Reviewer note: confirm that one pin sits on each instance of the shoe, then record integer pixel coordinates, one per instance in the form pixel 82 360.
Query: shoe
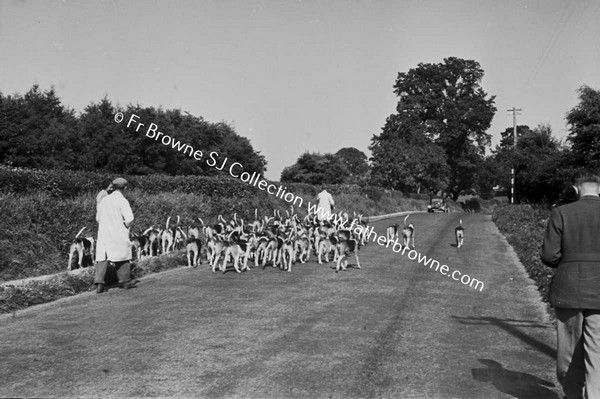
pixel 129 284
pixel 100 288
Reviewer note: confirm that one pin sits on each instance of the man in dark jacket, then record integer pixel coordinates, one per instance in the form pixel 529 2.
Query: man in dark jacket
pixel 572 246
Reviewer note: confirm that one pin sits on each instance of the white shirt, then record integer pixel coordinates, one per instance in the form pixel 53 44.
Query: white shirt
pixel 113 236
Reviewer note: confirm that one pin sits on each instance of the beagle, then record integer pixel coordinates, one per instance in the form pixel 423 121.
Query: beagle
pixel 408 234
pixel 83 246
pixel 459 233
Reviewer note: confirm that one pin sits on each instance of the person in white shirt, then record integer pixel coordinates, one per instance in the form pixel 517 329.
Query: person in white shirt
pixel 325 205
pixel 114 216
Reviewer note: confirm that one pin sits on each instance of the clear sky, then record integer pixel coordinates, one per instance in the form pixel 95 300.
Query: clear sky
pixel 296 76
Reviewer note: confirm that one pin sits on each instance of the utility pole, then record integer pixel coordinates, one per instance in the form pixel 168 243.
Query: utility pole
pixel 512 170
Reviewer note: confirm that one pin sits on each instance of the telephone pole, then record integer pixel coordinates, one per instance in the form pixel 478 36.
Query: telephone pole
pixel 512 170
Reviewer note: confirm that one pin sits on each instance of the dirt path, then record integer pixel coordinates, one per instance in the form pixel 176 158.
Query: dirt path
pixel 393 329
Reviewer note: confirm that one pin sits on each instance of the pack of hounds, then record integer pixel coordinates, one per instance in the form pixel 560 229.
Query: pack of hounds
pixel 276 241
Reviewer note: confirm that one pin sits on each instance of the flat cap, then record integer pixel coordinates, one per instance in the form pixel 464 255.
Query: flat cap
pixel 119 182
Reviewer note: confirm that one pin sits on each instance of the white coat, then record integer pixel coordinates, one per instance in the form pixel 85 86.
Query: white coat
pixel 113 236
pixel 325 205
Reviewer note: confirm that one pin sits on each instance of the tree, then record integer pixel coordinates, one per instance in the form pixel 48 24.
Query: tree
pixel 36 130
pixel 356 162
pixel 507 140
pixel 405 166
pixel 314 168
pixel 541 165
pixel 584 121
pixel 441 104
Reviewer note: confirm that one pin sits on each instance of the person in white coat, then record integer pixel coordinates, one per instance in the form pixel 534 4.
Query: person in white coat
pixel 325 205
pixel 114 217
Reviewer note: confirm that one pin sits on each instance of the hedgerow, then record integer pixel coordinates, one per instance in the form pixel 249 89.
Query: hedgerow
pixel 43 210
pixel 524 226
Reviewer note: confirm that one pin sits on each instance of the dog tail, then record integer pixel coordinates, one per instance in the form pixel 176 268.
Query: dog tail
pixel 405 219
pixel 201 221
pixel 168 221
pixel 80 231
pixel 255 213
pixel 460 222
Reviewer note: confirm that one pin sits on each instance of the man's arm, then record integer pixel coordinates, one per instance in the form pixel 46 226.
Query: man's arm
pixel 551 248
pixel 127 214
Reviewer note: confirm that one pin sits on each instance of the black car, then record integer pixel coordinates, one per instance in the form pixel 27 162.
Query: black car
pixel 437 204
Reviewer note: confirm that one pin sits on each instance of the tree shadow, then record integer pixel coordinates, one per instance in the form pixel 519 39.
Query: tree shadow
pixel 514 327
pixel 517 384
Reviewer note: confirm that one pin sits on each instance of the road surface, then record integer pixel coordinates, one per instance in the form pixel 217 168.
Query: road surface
pixel 392 329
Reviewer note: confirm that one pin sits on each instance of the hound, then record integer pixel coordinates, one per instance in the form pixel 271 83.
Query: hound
pixel 272 251
pixel 167 238
pixel 215 248
pixel 193 245
pixel 141 245
pixel 392 232
pixel 286 252
pixel 153 237
pixel 302 248
pixel 236 248
pixel 83 246
pixel 347 246
pixel 259 246
pixel 326 245
pixel 179 236
pixel 408 234
pixel 459 233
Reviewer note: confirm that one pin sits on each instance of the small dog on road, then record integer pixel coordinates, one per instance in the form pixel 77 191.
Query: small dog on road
pixel 408 234
pixel 392 232
pixel 459 232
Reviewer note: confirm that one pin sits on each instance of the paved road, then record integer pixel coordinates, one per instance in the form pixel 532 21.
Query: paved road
pixel 393 329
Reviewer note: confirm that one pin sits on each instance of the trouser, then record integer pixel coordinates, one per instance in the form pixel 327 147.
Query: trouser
pixel 578 355
pixel 123 271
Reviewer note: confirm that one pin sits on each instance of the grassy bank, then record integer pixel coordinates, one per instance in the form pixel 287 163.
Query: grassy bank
pixel 17 297
pixel 43 211
pixel 523 226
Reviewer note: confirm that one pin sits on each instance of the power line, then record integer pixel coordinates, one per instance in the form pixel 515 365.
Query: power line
pixel 566 16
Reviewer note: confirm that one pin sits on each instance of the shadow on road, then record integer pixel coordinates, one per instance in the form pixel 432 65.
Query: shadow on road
pixel 514 328
pixel 517 384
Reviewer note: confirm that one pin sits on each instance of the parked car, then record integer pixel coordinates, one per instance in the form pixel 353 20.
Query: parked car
pixel 437 204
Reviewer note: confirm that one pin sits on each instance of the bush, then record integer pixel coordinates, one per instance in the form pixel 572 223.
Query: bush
pixel 524 226
pixel 473 205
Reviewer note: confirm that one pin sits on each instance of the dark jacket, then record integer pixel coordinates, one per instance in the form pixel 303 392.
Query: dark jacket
pixel 572 246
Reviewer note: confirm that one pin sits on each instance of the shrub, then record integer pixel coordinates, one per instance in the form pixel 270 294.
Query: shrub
pixel 524 226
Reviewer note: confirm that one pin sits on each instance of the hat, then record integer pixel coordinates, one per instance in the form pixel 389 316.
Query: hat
pixel 119 182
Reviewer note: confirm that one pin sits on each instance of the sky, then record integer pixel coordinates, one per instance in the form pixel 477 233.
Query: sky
pixel 295 76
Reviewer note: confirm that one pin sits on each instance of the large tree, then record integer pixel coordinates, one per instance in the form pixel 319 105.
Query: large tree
pixel 584 126
pixel 444 105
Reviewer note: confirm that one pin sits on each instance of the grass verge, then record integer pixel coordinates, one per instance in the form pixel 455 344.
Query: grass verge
pixel 17 297
pixel 524 226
